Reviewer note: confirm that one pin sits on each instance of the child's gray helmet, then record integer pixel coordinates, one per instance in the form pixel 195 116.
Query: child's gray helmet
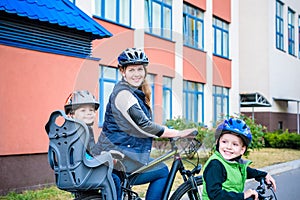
pixel 78 98
pixel 133 56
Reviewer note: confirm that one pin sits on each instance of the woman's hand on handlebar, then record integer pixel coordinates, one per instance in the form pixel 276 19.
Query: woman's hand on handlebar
pixel 172 133
pixel 192 132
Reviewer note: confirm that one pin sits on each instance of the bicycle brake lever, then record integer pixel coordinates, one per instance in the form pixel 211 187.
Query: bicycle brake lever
pixel 197 170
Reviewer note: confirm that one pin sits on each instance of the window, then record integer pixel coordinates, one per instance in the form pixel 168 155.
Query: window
pixel 118 11
pixel 280 125
pixel 109 76
pixel 279 25
pixel 221 38
pixel 158 17
pixel 150 79
pixel 299 37
pixel 193 109
pixel 220 102
pixel 291 32
pixel 193 27
pixel 167 98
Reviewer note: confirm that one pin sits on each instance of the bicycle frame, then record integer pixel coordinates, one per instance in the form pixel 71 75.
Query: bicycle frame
pixel 177 165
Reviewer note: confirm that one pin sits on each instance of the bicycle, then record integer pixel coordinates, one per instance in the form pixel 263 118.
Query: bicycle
pixel 189 187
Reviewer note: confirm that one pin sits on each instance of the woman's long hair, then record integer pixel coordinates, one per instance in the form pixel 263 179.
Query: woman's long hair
pixel 146 89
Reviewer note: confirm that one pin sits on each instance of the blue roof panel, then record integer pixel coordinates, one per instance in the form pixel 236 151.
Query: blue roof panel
pixel 60 12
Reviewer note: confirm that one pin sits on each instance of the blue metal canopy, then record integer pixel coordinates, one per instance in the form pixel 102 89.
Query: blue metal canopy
pixel 60 12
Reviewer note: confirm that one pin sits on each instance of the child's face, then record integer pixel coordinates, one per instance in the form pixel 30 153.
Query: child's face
pixel 85 113
pixel 231 146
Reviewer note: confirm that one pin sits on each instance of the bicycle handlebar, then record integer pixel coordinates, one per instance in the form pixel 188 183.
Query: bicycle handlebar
pixel 192 135
pixel 261 190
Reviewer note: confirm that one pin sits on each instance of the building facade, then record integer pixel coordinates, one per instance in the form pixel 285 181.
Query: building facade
pixel 201 60
pixel 269 60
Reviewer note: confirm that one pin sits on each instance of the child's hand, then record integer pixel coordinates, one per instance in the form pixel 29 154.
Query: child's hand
pixel 251 193
pixel 269 179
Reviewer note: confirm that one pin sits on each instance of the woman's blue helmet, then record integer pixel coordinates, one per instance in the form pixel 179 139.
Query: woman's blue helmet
pixel 234 126
pixel 132 56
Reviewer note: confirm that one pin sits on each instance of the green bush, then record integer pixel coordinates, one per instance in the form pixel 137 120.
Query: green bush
pixel 282 140
pixel 180 124
pixel 258 132
pixel 206 136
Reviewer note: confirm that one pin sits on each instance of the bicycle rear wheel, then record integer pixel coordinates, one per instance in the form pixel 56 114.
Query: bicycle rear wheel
pixel 185 192
pixel 88 195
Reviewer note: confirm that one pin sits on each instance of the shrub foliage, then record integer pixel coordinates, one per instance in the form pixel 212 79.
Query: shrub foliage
pixel 282 140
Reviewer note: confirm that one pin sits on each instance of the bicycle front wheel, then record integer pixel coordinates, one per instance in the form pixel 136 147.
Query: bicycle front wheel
pixel 185 192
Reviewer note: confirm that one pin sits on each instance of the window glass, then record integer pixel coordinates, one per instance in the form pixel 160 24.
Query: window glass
pixel 108 77
pixel 147 16
pixel 193 27
pixel 156 25
pixel 158 17
pixel 291 32
pixel 221 38
pixel 124 14
pixel 167 23
pixel 118 11
pixel 193 101
pixel 299 37
pixel 167 98
pixel 110 10
pixel 98 7
pixel 220 103
pixel 279 26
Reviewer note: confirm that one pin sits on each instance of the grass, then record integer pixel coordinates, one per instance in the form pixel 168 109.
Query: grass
pixel 261 158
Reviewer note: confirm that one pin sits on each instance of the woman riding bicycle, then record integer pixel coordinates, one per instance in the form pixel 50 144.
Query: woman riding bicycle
pixel 128 125
pixel 225 172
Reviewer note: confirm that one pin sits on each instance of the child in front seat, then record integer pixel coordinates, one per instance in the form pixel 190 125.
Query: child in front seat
pixel 82 105
pixel 225 172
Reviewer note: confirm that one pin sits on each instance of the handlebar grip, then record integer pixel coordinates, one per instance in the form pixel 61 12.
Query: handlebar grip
pixel 194 133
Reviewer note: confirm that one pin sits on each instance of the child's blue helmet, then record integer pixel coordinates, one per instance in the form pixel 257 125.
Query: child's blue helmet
pixel 234 126
pixel 132 56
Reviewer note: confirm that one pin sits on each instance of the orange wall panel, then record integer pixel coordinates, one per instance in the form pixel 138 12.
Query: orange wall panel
pixel 222 9
pixel 194 65
pixel 161 54
pixel 221 72
pixel 198 3
pixel 33 84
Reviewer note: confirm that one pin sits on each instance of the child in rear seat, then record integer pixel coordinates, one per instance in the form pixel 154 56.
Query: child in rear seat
pixel 82 105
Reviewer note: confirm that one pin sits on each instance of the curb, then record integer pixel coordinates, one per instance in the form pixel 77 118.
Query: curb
pixel 282 167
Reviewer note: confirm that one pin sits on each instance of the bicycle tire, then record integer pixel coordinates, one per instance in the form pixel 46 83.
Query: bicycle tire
pixel 92 197
pixel 184 188
pixel 89 195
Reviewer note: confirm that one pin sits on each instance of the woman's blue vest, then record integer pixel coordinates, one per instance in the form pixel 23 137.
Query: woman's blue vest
pixel 120 135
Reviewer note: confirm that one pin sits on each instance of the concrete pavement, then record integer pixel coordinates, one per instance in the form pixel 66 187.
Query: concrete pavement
pixel 282 167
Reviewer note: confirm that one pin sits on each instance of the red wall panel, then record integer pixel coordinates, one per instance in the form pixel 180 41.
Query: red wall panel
pixel 33 84
pixel 221 72
pixel 222 9
pixel 194 65
pixel 198 3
